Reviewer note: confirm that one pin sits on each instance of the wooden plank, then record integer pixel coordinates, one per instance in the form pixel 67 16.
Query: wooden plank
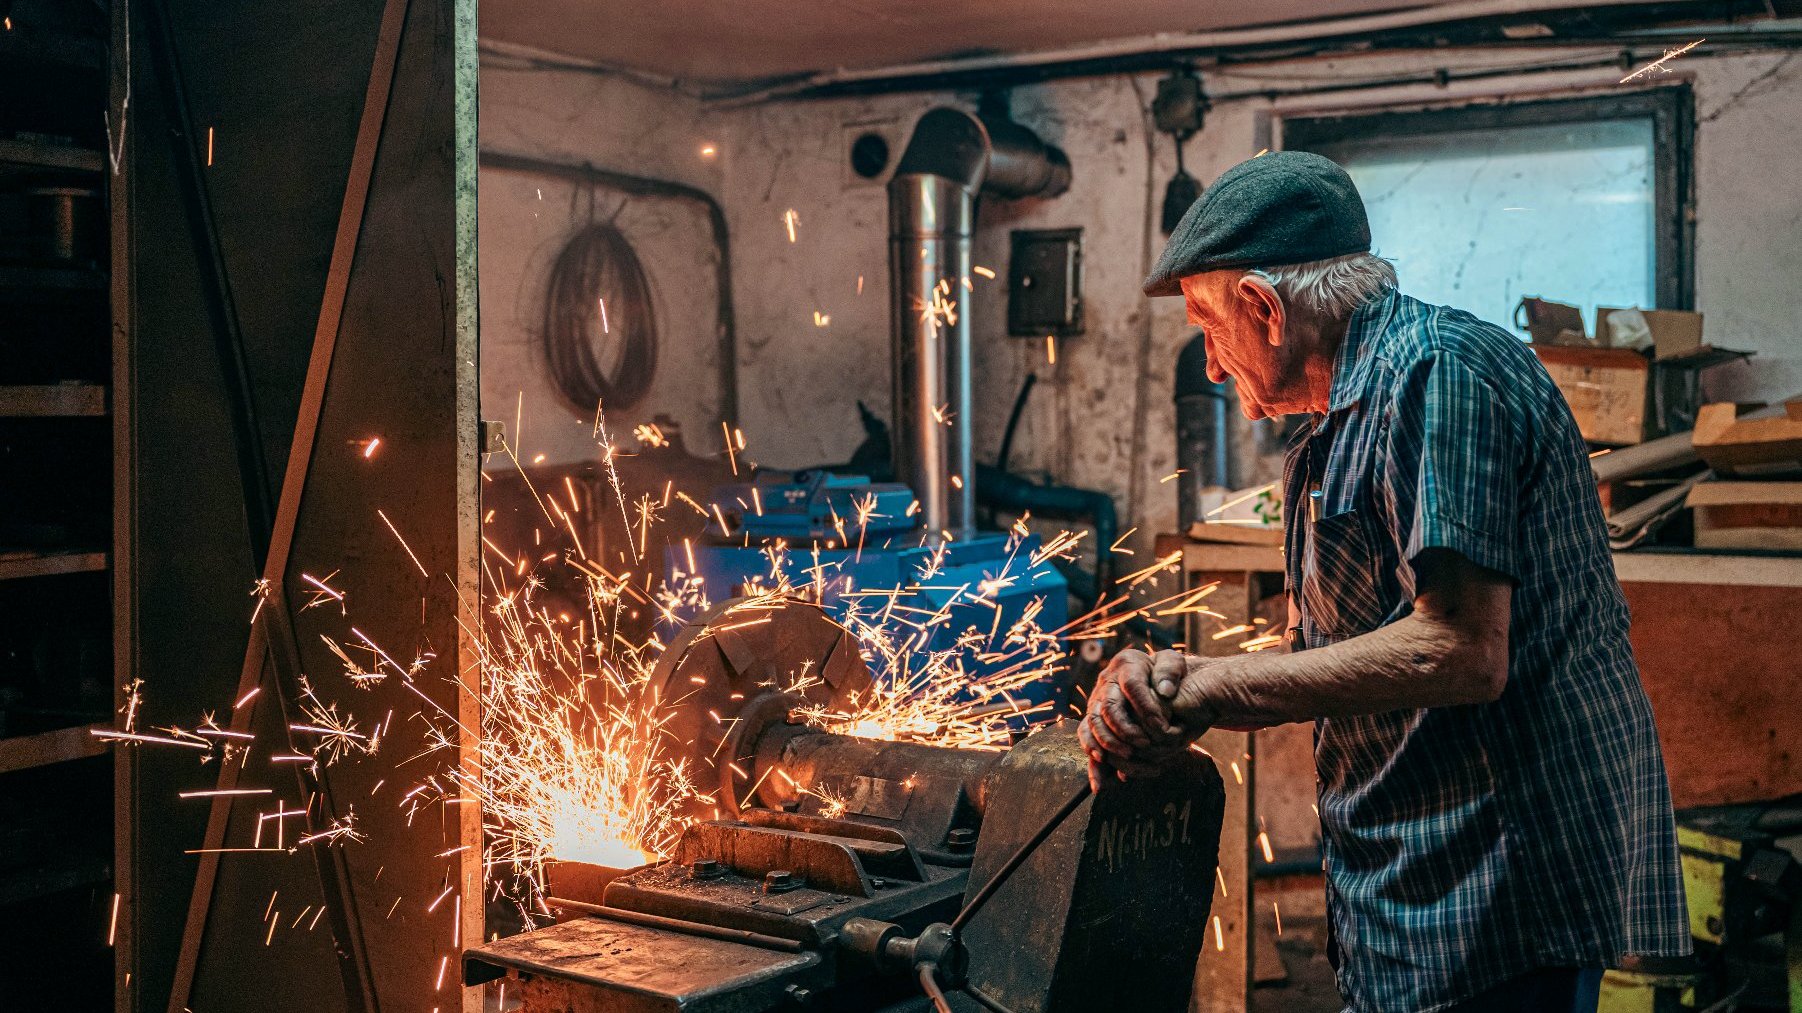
pixel 1719 667
pixel 55 876
pixel 40 155
pixel 1224 974
pixel 61 400
pixel 123 243
pixel 19 566
pixel 1708 568
pixel 278 645
pixel 1213 556
pixel 28 278
pixel 25 752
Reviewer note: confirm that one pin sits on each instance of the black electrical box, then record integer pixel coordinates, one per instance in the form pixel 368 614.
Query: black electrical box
pixel 1044 283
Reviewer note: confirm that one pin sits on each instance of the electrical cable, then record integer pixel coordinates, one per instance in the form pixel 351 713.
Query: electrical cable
pixel 599 334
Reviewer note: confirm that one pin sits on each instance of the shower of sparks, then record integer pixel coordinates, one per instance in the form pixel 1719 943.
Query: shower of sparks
pixel 985 272
pixel 343 828
pixel 1051 349
pixel 369 447
pixel 565 764
pixel 1658 66
pixel 790 219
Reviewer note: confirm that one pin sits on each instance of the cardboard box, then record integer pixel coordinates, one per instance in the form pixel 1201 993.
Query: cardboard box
pixel 1606 389
pixel 1747 515
pixel 1676 334
pixel 1732 445
pixel 1551 323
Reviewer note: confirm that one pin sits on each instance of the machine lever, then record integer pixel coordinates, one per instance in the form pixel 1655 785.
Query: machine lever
pixel 1015 860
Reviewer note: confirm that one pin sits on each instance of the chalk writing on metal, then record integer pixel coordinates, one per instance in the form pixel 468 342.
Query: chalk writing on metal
pixel 1126 839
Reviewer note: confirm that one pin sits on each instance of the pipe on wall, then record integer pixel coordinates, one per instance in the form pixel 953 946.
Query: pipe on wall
pixel 1203 435
pixel 951 158
pixel 1157 51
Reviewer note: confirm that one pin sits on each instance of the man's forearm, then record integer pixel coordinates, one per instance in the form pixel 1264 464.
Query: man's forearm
pixel 1412 663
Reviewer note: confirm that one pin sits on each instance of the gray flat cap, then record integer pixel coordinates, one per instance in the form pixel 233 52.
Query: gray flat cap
pixel 1282 207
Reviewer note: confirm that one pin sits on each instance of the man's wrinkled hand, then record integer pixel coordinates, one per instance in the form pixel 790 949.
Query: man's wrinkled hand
pixel 1128 728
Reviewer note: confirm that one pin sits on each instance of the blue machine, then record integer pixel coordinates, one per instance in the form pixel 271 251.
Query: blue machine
pixel 853 537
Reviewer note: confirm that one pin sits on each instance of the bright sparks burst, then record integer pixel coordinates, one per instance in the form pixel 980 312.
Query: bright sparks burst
pixel 569 751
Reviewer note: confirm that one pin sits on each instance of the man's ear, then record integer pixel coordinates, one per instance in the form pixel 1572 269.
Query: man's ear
pixel 1263 303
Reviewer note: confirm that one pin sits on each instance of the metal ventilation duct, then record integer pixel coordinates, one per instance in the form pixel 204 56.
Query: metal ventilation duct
pixel 951 157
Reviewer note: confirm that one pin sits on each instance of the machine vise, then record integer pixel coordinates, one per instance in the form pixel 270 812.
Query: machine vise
pixel 849 874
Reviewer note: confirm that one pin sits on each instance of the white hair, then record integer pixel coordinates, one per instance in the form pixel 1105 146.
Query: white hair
pixel 1331 288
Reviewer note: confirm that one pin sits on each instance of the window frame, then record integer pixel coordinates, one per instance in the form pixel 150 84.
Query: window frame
pixel 1671 108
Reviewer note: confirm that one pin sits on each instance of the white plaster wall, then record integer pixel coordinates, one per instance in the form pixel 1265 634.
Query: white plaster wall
pixel 1749 220
pixel 525 219
pixel 798 383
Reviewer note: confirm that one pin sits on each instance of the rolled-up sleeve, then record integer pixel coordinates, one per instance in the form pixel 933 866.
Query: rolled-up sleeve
pixel 1451 451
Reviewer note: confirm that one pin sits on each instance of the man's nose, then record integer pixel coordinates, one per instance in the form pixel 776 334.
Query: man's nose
pixel 1215 373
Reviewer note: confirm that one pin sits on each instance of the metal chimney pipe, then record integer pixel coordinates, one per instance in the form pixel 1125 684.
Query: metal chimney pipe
pixel 932 221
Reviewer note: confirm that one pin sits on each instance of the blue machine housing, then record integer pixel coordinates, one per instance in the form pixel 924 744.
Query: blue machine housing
pixel 892 556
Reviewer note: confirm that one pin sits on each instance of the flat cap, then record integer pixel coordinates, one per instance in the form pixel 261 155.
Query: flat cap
pixel 1282 207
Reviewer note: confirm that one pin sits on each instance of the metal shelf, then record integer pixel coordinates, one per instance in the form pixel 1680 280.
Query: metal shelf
pixel 62 400
pixel 25 752
pixel 21 565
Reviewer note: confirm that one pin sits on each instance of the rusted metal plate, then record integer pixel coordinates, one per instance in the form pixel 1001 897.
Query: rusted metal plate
pixel 615 967
pixel 1111 910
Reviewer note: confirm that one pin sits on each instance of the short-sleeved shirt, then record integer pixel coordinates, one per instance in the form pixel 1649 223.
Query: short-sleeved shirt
pixel 1466 845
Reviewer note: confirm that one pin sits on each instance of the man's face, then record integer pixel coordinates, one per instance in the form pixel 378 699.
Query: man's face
pixel 1242 320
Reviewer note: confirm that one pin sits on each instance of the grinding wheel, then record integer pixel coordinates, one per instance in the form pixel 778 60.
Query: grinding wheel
pixel 746 660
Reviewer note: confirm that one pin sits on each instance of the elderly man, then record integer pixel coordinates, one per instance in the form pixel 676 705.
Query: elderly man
pixel 1493 806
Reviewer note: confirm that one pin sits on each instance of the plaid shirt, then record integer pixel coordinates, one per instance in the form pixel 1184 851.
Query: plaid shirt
pixel 1467 845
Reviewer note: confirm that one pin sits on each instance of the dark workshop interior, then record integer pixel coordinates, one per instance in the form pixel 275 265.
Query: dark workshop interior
pixel 612 506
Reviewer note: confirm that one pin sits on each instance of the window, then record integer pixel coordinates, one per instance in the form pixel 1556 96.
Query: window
pixel 1579 201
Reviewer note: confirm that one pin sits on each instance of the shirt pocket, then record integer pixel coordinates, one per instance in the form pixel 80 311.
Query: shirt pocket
pixel 1341 593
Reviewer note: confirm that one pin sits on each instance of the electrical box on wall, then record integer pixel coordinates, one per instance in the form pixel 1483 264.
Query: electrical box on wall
pixel 1044 283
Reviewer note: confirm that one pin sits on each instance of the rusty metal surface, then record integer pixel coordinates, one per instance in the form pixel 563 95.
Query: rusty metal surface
pixel 1123 884
pixel 617 967
pixel 829 877
pixel 730 659
pixel 926 793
